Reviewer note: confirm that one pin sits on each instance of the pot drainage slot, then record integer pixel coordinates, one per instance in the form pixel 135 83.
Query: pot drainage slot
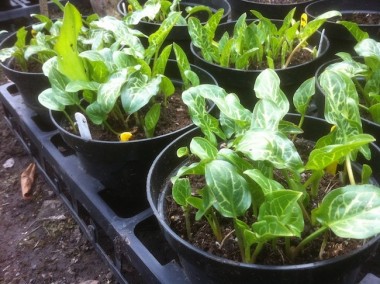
pixel 12 89
pixel 61 146
pixel 124 205
pixel 42 124
pixel 149 233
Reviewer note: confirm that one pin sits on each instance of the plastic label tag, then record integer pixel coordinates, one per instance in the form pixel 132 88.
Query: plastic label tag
pixel 84 131
pixel 303 20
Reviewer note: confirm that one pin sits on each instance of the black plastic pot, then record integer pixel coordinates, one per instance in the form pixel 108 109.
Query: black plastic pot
pixel 241 82
pixel 29 84
pixel 369 126
pixel 269 10
pixel 122 167
pixel 203 267
pixel 179 34
pixel 340 38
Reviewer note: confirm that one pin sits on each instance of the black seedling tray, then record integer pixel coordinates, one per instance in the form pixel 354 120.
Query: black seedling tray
pixel 128 240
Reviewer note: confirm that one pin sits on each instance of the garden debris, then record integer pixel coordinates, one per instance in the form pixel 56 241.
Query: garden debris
pixel 27 180
pixel 9 163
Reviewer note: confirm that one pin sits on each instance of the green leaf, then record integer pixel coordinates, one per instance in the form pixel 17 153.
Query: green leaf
pixel 38 50
pixel 281 209
pixel 109 92
pixel 303 95
pixel 368 48
pixel 157 38
pixel 202 148
pixel 148 11
pixel 193 169
pixel 182 152
pixel 75 86
pixel 137 92
pixel 183 63
pixel 272 146
pixel 181 191
pixel 351 212
pixel 96 113
pixel 267 86
pixel 202 37
pixel 233 158
pixel 160 64
pixel 375 112
pixel 48 98
pixel 266 184
pixel 230 189
pixel 322 157
pixel 342 99
pixel 355 30
pixel 197 108
pixel 266 115
pixel 366 174
pixel 69 62
pixel 151 118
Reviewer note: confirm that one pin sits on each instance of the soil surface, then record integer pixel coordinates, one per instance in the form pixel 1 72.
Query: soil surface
pixel 362 18
pixel 40 241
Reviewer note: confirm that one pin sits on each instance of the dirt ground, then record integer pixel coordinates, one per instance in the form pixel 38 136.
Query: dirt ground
pixel 40 242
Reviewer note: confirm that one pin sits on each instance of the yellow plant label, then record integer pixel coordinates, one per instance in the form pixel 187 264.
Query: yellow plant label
pixel 125 136
pixel 303 20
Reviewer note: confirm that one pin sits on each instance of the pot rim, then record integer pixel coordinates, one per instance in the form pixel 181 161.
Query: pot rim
pixel 325 4
pixel 300 2
pixel 305 266
pixel 9 41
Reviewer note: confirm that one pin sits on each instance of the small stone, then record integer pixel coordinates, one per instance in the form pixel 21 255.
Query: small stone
pixel 89 282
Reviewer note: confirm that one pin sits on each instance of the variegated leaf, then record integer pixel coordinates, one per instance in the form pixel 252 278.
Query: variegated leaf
pixel 230 189
pixel 351 212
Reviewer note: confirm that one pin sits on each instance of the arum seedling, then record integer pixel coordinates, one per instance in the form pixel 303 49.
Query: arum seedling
pixel 253 171
pixel 257 43
pixel 115 78
pixel 158 10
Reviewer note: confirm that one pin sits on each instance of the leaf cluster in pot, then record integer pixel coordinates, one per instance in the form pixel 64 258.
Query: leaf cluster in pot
pixel 34 45
pixel 157 11
pixel 255 177
pixel 359 75
pixel 259 42
pixel 116 77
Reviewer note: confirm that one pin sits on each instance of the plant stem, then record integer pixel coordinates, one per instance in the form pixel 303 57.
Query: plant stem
pixel 323 246
pixel 214 223
pixel 293 52
pixel 302 119
pixel 307 240
pixel 304 211
pixel 256 252
pixel 349 171
pixel 186 211
pixel 240 238
pixel 364 107
pixel 70 121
